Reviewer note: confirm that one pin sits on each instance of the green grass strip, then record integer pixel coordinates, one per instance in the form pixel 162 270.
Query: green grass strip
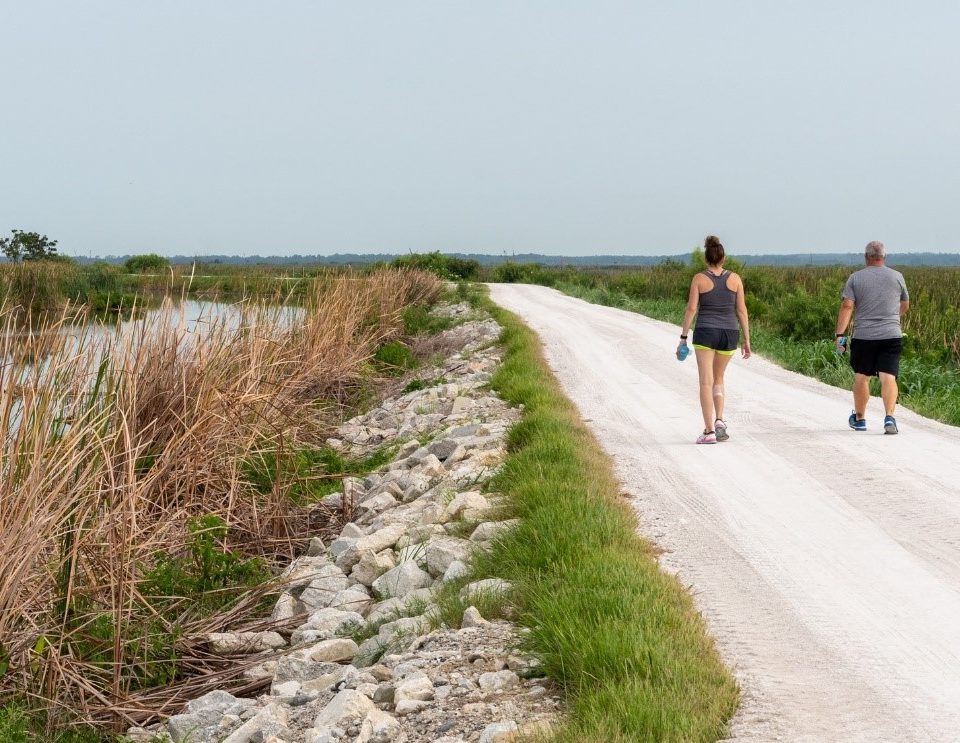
pixel 622 638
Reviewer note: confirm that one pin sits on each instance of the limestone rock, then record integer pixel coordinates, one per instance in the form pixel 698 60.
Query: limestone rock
pixel 401 580
pixel 327 583
pixel 372 565
pixel 238 643
pixel 379 727
pixel 333 650
pixel 498 732
pixel 471 501
pixel 348 703
pixel 487 586
pixel 491 530
pixel 473 618
pixel 441 552
pixel 498 680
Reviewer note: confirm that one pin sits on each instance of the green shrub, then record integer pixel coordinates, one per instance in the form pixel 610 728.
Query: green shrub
pixel 803 317
pixel 418 320
pixel 208 572
pixel 445 266
pixel 149 263
pixel 394 358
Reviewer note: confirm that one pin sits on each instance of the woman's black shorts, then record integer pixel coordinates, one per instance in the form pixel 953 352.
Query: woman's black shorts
pixel 716 339
pixel 873 356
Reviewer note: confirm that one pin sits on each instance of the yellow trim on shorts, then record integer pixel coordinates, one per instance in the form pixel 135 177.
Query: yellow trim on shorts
pixel 707 348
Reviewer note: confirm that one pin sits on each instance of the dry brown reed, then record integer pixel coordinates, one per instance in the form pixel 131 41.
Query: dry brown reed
pixel 110 439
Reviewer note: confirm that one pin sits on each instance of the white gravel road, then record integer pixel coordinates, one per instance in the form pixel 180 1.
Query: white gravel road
pixel 826 561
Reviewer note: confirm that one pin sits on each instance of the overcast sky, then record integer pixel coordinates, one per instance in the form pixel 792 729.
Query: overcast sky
pixel 552 126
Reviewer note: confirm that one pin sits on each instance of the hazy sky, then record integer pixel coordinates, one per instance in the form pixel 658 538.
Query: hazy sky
pixel 549 126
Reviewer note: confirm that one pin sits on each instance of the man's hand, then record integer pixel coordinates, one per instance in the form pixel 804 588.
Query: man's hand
pixel 841 344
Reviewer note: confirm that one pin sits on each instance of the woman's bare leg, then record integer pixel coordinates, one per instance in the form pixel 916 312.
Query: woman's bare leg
pixel 720 363
pixel 705 369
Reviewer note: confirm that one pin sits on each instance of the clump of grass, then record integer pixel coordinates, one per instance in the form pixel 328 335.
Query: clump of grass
pixel 419 320
pixel 421 384
pixel 394 358
pixel 19 723
pixel 620 636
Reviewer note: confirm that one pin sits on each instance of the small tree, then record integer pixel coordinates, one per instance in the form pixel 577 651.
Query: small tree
pixel 28 246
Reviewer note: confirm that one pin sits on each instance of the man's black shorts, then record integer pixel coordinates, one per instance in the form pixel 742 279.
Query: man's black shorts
pixel 873 356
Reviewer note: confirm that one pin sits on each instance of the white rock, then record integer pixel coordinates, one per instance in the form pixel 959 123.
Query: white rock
pixel 375 542
pixel 372 565
pixel 316 548
pixel 332 621
pixel 337 649
pixel 442 551
pixel 340 545
pixel 352 600
pixel 348 703
pixel 471 500
pixel 487 586
pixel 404 626
pixel 498 732
pixel 286 607
pixel 473 618
pixel 376 504
pixel 236 643
pixel 409 706
pixel 285 689
pixel 455 570
pixel 269 721
pixel 416 685
pixel 406 577
pixel 461 405
pixel 297 666
pixel 498 680
pixel 328 582
pixel 333 501
pixel 351 531
pixel 379 727
pixel 430 466
pixel 304 569
pixel 491 529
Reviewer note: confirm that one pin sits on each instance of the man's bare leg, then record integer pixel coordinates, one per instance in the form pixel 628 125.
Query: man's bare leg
pixel 861 394
pixel 889 391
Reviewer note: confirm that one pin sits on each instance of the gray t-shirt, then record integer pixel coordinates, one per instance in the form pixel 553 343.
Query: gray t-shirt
pixel 876 292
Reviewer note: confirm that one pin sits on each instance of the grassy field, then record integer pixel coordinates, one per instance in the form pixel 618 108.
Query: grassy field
pixel 792 318
pixel 150 476
pixel 622 638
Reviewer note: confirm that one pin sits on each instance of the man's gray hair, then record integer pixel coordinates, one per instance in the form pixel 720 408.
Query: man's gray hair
pixel 875 250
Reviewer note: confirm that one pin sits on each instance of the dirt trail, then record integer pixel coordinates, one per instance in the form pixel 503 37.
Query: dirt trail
pixel 826 561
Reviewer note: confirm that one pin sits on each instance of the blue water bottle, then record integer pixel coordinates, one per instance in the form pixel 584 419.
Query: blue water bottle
pixel 683 350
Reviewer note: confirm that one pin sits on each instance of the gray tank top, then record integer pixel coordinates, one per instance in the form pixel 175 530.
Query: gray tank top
pixel 718 307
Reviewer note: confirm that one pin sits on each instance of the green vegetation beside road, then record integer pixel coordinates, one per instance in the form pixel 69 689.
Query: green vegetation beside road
pixel 622 638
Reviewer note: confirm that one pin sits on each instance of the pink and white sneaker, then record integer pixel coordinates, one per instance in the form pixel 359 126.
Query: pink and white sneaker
pixel 707 437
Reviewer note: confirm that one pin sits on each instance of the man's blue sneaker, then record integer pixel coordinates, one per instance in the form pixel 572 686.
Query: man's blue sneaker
pixel 857 424
pixel 890 425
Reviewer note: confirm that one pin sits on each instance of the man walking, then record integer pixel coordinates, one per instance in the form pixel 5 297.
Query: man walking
pixel 878 295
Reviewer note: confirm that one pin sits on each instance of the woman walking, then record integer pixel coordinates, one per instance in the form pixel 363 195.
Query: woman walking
pixel 716 298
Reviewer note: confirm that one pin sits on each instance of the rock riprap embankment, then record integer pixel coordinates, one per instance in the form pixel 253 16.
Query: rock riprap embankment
pixel 389 643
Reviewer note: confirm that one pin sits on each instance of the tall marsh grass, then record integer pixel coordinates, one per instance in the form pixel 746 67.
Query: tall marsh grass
pixel 118 445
